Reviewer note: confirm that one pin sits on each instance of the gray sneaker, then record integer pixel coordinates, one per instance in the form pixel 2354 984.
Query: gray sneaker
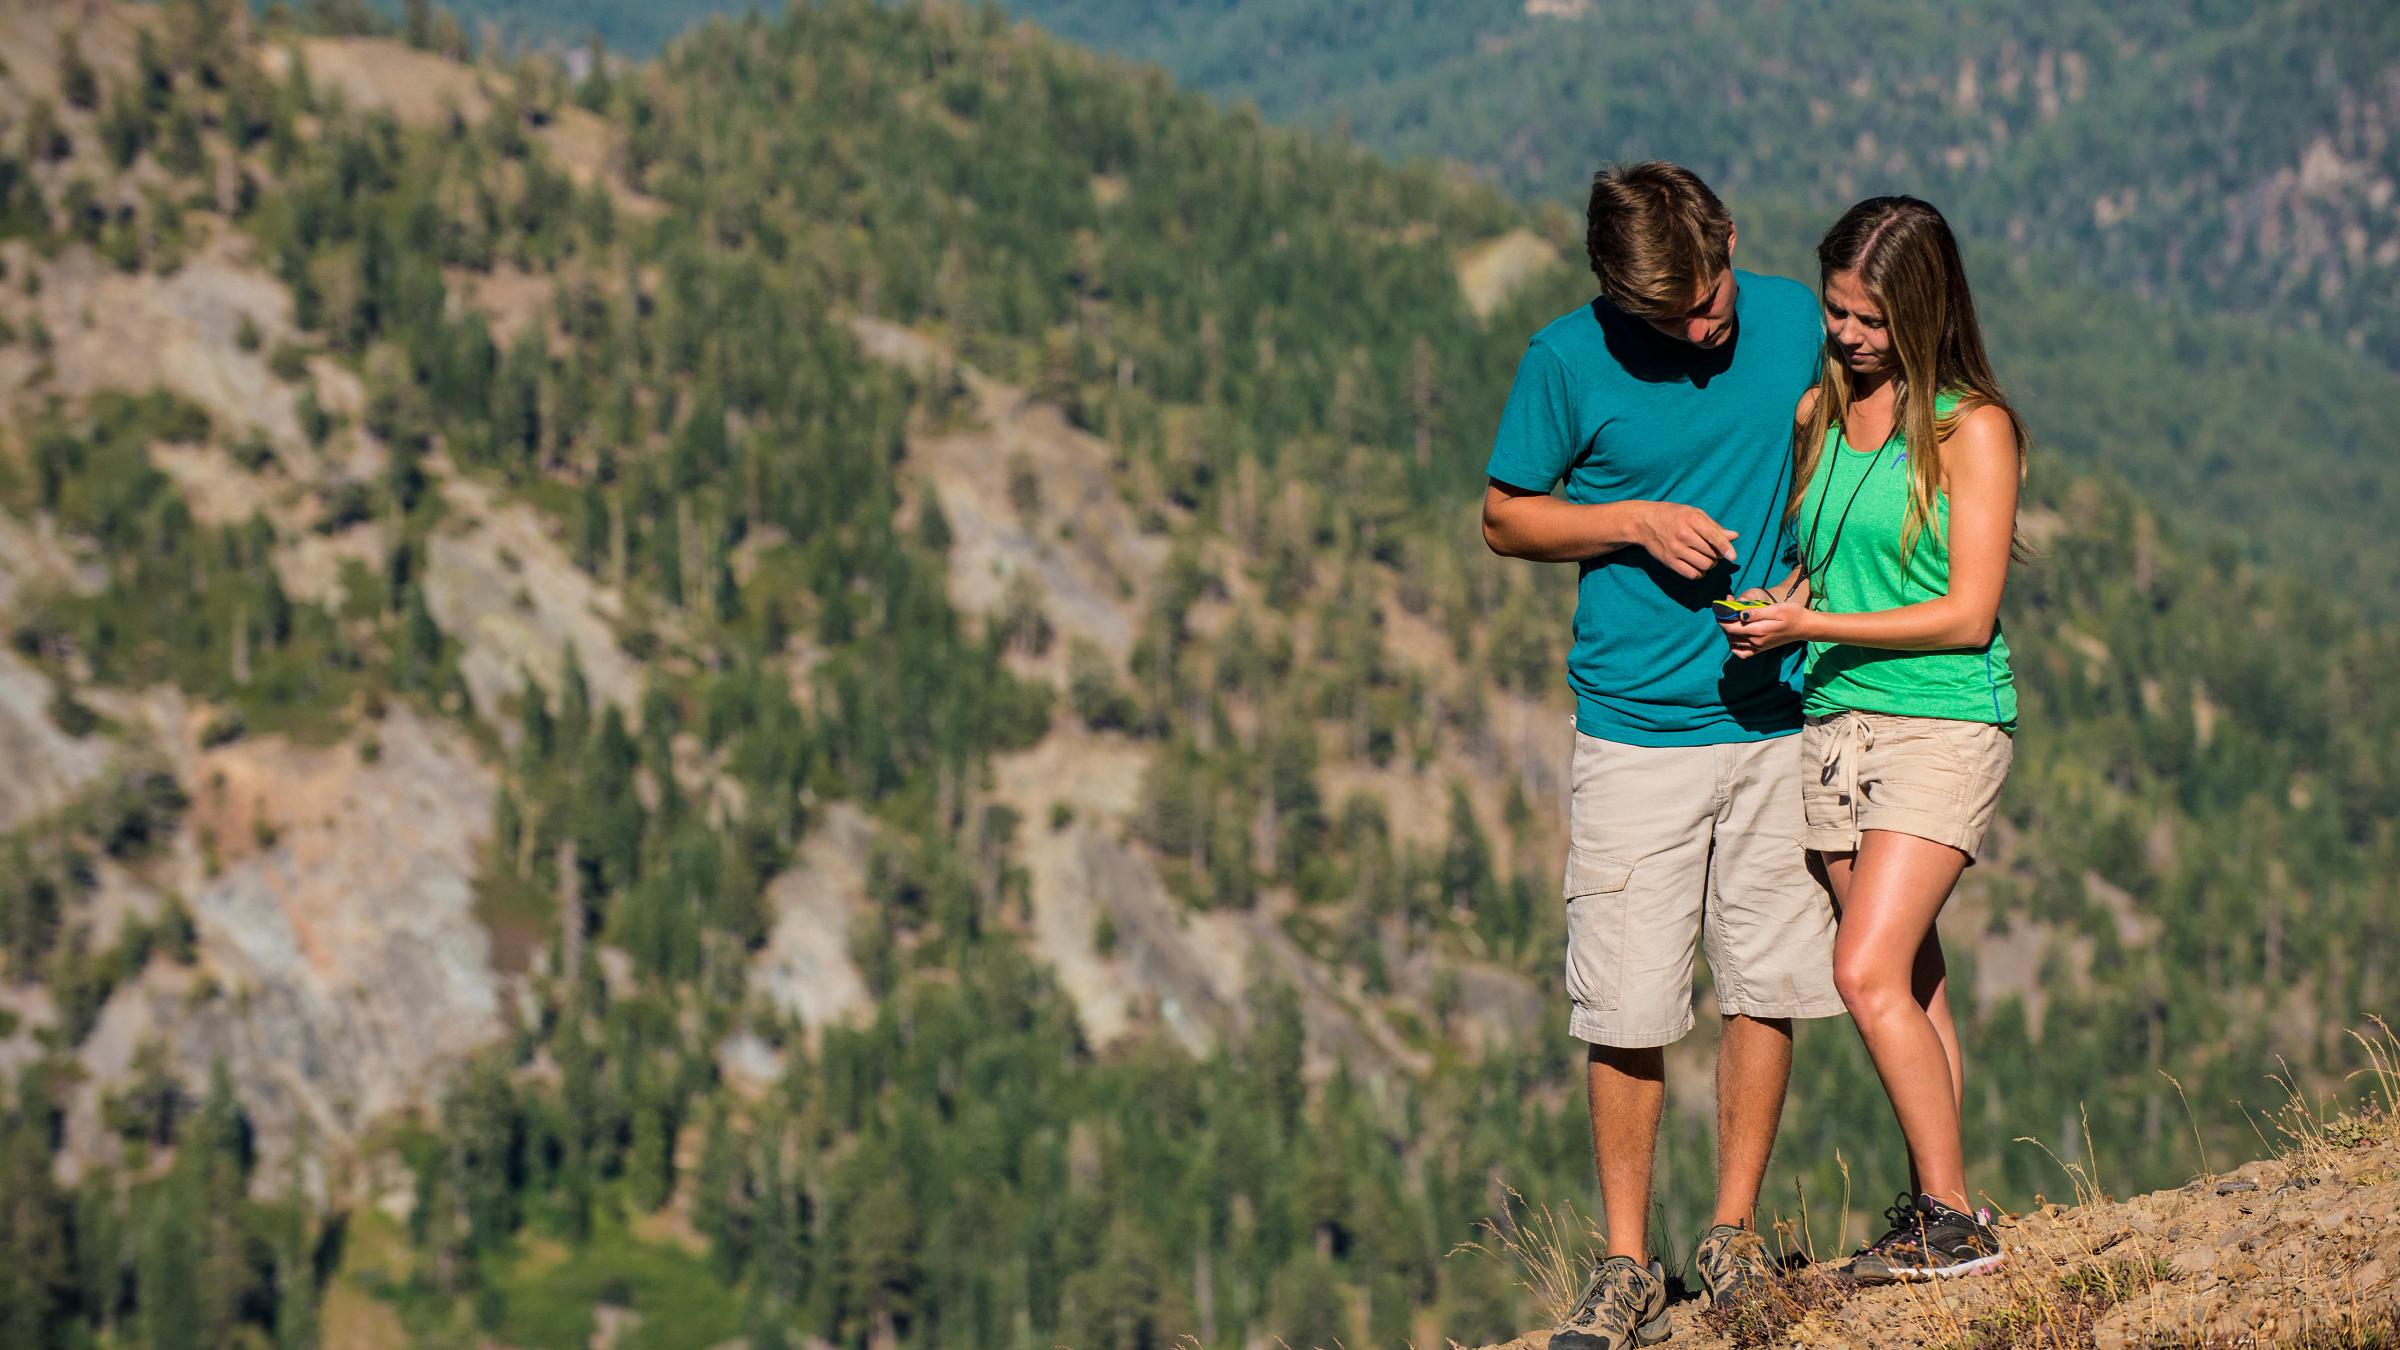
pixel 1624 1305
pixel 1733 1267
pixel 1929 1241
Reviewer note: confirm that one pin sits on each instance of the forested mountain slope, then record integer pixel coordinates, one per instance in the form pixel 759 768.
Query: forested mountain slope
pixel 2112 170
pixel 2237 157
pixel 897 606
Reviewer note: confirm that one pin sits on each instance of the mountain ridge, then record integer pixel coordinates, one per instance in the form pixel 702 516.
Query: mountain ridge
pixel 2265 131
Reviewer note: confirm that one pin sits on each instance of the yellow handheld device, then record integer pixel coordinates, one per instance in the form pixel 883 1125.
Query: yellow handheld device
pixel 1730 610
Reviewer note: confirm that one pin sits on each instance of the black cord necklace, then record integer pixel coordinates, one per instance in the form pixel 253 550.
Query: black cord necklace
pixel 1811 566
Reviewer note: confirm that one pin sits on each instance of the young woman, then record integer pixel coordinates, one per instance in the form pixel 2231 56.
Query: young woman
pixel 1909 461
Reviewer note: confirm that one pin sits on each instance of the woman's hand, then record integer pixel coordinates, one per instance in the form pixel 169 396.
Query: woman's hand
pixel 1763 630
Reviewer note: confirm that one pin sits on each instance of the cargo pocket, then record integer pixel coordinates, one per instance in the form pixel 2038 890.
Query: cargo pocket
pixel 1596 928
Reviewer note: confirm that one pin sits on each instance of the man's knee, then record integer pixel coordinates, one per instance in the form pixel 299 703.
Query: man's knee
pixel 1647 1063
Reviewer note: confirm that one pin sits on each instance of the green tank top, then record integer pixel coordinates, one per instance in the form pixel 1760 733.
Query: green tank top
pixel 1850 526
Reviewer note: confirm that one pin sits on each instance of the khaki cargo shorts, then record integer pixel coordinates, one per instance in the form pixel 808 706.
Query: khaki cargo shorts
pixel 1673 845
pixel 1932 777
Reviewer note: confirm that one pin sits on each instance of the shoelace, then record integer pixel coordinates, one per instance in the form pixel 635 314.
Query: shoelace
pixel 1587 1301
pixel 1593 1290
pixel 1906 1226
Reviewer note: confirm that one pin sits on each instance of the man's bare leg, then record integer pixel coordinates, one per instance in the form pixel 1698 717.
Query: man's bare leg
pixel 1628 1091
pixel 1754 1066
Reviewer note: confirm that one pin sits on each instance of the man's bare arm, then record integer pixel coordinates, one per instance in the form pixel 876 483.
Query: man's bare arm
pixel 1521 524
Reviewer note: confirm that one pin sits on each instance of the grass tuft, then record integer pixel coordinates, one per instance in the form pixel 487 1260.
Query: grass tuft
pixel 1549 1252
pixel 1799 1295
pixel 2350 1331
pixel 2064 1311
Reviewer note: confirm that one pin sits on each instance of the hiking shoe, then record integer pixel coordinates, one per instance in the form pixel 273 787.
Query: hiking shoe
pixel 1733 1267
pixel 1899 1223
pixel 1623 1305
pixel 1930 1241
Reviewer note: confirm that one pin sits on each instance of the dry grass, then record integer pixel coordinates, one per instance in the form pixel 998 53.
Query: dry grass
pixel 2379 1117
pixel 2062 1312
pixel 1805 1292
pixel 2056 1284
pixel 2352 1331
pixel 1807 1288
pixel 1548 1251
pixel 2311 1134
pixel 2042 1308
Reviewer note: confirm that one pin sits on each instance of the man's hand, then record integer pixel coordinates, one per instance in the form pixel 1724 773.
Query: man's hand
pixel 1683 539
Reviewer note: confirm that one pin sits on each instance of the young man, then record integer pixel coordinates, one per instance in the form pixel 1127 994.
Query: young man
pixel 1665 407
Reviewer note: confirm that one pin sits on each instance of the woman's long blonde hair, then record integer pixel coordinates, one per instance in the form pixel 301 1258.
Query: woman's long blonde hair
pixel 1906 258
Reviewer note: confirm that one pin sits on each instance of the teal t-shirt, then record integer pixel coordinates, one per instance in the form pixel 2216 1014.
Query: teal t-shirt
pixel 1618 411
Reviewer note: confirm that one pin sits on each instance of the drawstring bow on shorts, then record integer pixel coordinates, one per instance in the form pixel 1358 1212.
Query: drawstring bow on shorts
pixel 1853 735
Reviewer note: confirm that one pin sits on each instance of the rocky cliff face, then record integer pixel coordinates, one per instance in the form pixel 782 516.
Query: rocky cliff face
pixel 341 968
pixel 47 767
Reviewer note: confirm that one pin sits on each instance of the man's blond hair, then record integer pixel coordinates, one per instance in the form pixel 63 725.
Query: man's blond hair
pixel 1657 237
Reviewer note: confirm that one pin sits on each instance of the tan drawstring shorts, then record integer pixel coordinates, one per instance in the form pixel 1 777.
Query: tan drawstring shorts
pixel 1932 777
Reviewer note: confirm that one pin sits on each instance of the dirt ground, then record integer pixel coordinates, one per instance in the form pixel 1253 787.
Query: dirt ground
pixel 2298 1250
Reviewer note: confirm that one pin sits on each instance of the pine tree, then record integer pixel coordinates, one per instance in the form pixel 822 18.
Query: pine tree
pixel 37 1281
pixel 1277 1042
pixel 782 1262
pixel 296 1326
pixel 1309 1309
pixel 420 642
pixel 217 1154
pixel 416 23
pixel 651 1160
pixel 167 1271
pixel 1466 859
pixel 483 1138
pixel 78 83
pixel 882 1242
pixel 721 1204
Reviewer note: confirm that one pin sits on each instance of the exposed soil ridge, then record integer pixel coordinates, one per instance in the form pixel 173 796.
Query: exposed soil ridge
pixel 2300 1249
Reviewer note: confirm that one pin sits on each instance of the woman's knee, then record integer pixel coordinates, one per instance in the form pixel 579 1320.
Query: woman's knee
pixel 1867 986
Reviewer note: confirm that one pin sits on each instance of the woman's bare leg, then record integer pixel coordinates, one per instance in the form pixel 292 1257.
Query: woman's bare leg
pixel 1888 966
pixel 1930 982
